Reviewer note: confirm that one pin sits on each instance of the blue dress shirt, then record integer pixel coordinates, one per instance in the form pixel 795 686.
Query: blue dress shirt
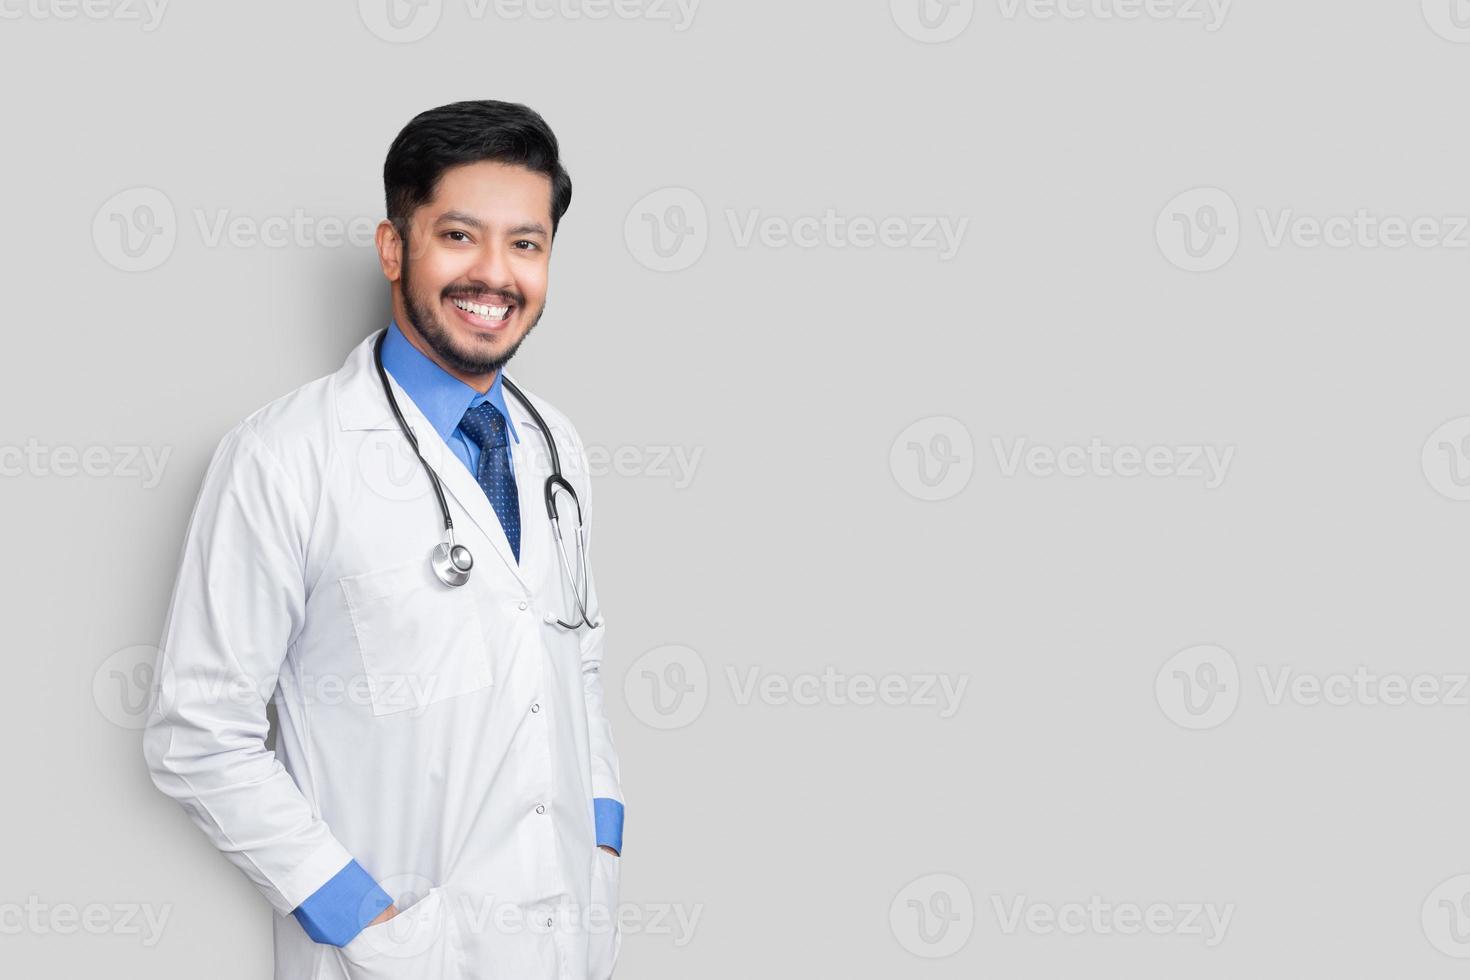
pixel 341 908
pixel 442 397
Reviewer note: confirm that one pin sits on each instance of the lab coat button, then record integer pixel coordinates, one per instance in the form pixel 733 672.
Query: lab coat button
pixel 523 604
pixel 535 707
pixel 540 808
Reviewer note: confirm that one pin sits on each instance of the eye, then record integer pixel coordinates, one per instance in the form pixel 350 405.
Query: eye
pixel 526 242
pixel 457 232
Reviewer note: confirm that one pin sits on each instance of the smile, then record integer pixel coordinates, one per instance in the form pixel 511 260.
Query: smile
pixel 483 311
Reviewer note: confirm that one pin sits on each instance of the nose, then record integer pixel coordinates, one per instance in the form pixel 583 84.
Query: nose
pixel 492 269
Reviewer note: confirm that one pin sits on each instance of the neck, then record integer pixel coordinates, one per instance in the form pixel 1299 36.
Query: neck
pixel 479 382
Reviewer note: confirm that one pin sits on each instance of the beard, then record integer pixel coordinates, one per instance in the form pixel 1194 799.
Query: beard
pixel 426 319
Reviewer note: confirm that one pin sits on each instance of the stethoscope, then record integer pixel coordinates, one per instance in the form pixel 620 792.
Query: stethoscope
pixel 452 562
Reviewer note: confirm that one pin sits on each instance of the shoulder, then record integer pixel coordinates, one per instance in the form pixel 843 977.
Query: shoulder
pixel 284 443
pixel 297 423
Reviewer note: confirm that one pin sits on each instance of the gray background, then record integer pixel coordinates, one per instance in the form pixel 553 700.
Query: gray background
pixel 820 838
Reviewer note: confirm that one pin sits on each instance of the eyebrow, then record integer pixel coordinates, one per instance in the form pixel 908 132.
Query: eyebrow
pixel 465 218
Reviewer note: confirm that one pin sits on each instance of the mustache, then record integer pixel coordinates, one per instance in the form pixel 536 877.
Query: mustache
pixel 484 296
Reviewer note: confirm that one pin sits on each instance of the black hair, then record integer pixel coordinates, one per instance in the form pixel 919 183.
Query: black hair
pixel 467 132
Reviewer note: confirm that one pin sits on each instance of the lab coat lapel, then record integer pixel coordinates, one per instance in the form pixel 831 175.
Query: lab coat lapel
pixel 362 405
pixel 459 482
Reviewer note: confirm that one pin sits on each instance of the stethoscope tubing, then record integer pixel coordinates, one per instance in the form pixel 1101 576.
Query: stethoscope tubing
pixel 553 483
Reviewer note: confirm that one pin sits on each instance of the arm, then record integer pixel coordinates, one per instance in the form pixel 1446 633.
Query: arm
pixel 238 604
pixel 607 791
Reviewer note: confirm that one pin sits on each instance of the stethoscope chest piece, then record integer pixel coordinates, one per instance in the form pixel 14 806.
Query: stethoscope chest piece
pixel 452 563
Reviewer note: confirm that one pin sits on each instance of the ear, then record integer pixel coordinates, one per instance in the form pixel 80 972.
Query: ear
pixel 390 250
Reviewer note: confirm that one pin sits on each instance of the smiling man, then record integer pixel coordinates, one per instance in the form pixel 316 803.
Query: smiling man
pixel 444 798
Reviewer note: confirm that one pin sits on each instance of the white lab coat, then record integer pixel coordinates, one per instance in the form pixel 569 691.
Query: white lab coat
pixel 450 739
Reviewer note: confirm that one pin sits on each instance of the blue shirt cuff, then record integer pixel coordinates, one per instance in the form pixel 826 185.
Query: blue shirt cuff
pixel 339 910
pixel 609 814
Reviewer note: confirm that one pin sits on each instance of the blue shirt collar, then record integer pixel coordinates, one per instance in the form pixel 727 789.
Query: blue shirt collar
pixel 441 396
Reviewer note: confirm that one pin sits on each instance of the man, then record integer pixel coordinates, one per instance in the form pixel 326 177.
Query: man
pixel 444 798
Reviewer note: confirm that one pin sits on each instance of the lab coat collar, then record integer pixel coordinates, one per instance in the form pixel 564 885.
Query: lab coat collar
pixel 362 405
pixel 441 396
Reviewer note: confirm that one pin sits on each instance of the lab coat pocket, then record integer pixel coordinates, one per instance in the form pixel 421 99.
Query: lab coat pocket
pixel 419 943
pixel 420 640
pixel 605 935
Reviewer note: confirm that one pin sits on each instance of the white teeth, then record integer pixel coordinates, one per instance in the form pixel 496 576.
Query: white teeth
pixel 481 310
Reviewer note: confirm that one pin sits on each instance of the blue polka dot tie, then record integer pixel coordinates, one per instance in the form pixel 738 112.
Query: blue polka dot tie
pixel 486 426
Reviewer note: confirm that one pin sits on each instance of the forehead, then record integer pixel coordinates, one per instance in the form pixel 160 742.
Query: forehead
pixel 492 191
